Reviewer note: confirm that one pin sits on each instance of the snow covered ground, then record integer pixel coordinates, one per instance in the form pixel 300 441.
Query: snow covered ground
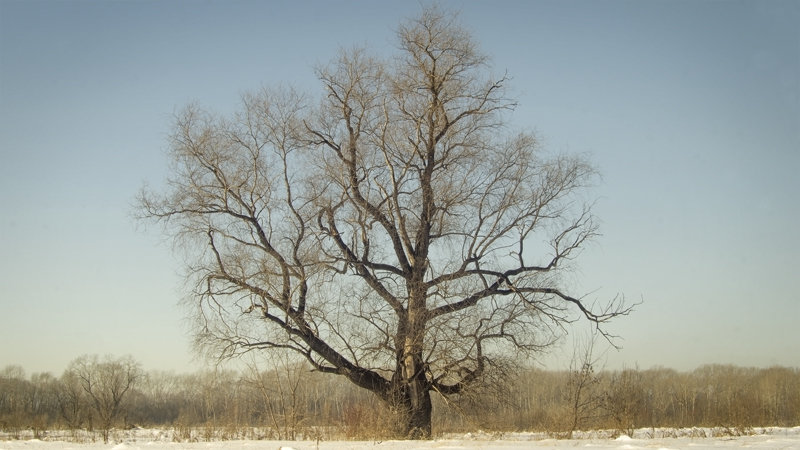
pixel 695 439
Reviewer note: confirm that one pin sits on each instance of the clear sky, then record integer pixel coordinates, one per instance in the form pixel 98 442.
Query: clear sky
pixel 690 109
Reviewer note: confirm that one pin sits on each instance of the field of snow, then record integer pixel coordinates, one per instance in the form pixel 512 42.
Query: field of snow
pixel 695 439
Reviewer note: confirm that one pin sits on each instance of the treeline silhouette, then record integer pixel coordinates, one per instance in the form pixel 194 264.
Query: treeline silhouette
pixel 289 401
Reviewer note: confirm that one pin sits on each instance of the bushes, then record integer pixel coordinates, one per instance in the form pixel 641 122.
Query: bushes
pixel 711 396
pixel 289 401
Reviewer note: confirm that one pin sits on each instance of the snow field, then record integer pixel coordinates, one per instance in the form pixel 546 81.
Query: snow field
pixel 695 439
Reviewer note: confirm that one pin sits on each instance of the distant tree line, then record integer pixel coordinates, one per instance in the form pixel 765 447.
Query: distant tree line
pixel 286 400
pixel 731 397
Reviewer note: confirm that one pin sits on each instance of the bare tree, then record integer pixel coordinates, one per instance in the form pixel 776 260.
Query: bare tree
pixel 72 400
pixel 106 383
pixel 625 401
pixel 396 234
pixel 281 391
pixel 582 395
pixel 13 393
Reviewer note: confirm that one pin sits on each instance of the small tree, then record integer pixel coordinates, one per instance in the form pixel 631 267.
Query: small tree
pixel 106 383
pixel 583 397
pixel 13 392
pixel 397 234
pixel 281 393
pixel 625 401
pixel 72 405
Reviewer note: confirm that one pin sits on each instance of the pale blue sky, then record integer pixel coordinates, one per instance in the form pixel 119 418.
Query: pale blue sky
pixel 691 110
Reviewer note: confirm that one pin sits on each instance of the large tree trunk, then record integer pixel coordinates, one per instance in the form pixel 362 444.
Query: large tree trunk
pixel 419 407
pixel 411 401
pixel 410 395
pixel 418 425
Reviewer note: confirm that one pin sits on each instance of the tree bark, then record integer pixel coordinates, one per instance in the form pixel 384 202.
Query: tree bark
pixel 411 394
pixel 420 408
pixel 411 400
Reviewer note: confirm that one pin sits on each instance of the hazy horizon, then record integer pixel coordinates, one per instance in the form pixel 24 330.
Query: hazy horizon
pixel 690 110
